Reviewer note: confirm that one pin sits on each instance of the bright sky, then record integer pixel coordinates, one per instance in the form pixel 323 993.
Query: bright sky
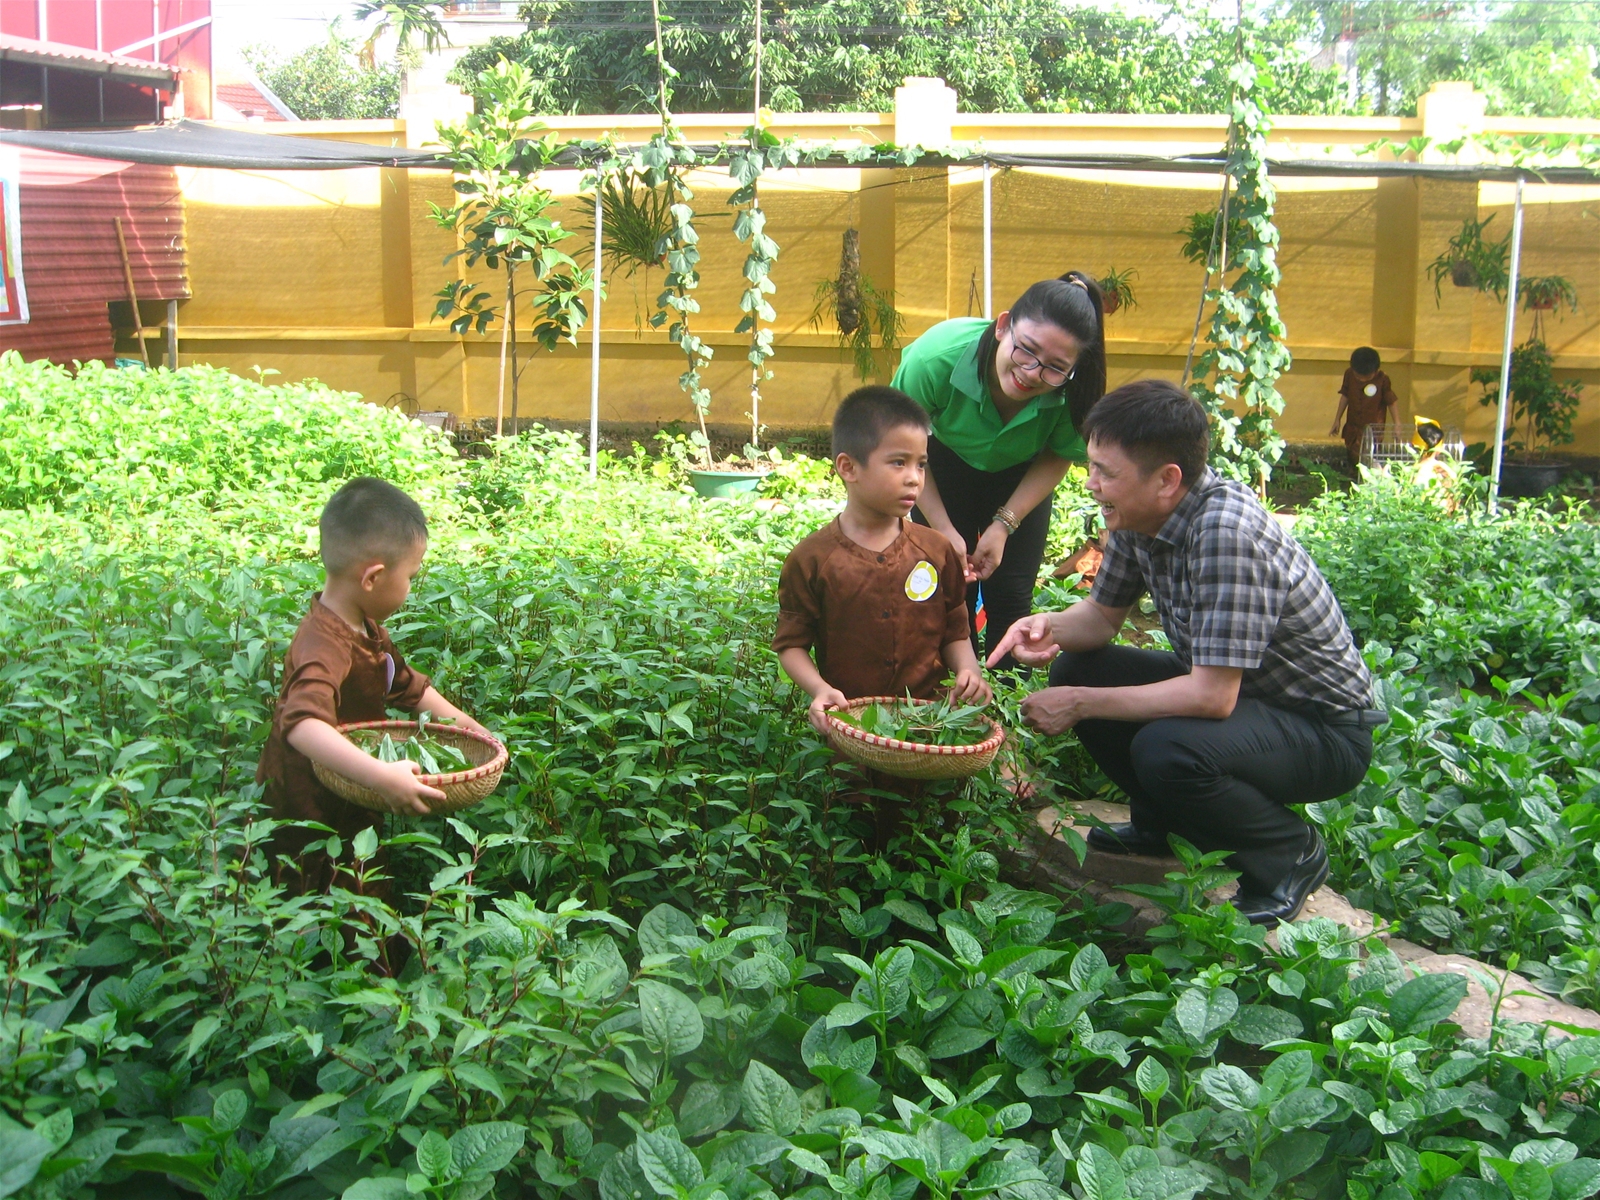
pixel 289 25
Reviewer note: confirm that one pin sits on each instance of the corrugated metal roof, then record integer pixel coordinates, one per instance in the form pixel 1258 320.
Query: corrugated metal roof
pixel 80 58
pixel 70 261
pixel 246 99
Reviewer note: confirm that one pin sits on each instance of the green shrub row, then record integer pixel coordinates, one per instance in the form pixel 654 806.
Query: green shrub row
pixel 660 961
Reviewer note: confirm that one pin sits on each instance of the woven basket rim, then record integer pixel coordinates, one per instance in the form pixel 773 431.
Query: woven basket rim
pixel 454 778
pixel 845 729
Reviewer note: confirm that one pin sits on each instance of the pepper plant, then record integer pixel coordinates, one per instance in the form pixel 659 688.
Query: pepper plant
pixel 1236 377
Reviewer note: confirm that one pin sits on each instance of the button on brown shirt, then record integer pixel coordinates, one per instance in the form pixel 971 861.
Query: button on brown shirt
pixel 336 675
pixel 875 620
pixel 1363 410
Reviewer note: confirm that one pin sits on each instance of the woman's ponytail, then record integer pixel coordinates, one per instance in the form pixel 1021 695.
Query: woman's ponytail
pixel 1072 304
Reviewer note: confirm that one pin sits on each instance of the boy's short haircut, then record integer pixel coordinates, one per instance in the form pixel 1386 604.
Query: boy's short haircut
pixel 867 413
pixel 369 519
pixel 1155 422
pixel 1364 360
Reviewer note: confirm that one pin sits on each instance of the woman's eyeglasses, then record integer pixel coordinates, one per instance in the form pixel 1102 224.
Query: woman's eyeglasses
pixel 1027 361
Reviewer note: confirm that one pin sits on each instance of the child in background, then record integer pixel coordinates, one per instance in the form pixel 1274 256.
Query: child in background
pixel 1365 398
pixel 881 602
pixel 343 667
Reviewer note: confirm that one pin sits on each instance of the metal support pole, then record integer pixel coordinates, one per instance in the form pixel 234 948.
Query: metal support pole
pixel 1505 353
pixel 988 244
pixel 594 348
pixel 172 335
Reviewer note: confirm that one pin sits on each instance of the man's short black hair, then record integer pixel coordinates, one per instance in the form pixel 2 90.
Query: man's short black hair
pixel 868 413
pixel 1364 360
pixel 1155 422
pixel 369 519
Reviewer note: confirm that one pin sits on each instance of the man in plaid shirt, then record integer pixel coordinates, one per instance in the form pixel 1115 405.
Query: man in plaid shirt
pixel 1263 701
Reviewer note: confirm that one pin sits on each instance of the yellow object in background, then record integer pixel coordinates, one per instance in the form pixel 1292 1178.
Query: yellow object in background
pixel 1428 435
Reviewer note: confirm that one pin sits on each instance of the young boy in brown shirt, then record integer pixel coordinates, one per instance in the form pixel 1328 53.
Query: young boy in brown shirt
pixel 343 667
pixel 881 602
pixel 1365 398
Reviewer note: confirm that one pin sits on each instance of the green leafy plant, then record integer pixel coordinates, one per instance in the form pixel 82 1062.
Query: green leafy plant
pixel 761 152
pixel 1202 236
pixel 1235 379
pixel 636 219
pixel 1544 406
pixel 1471 261
pixel 501 219
pixel 1544 293
pixel 659 961
pixel 1116 289
pixel 434 756
pixel 328 81
pixel 943 723
pixel 865 319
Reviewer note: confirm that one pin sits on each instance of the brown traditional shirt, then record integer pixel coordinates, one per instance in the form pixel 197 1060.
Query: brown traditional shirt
pixel 876 621
pixel 1361 409
pixel 336 675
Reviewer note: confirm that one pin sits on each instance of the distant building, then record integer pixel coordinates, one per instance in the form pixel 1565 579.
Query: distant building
pixel 68 64
pixel 88 64
pixel 241 95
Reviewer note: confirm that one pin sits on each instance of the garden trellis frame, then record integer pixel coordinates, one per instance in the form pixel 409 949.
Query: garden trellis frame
pixel 197 144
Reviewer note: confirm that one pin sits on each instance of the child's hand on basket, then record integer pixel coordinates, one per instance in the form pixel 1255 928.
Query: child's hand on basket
pixel 405 793
pixel 970 687
pixel 825 699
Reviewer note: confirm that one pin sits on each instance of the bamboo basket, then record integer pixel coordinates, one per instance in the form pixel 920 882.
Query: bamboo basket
pixel 910 760
pixel 460 788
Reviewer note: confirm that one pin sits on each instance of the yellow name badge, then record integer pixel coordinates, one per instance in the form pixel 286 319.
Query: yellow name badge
pixel 923 581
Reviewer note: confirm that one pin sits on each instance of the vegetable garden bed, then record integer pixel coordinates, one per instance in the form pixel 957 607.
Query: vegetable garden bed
pixel 658 960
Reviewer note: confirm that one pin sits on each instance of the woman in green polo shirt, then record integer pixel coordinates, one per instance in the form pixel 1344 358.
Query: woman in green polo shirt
pixel 1006 397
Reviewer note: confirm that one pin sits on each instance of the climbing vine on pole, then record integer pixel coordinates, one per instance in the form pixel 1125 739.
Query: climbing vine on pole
pixel 761 151
pixel 665 162
pixel 1236 377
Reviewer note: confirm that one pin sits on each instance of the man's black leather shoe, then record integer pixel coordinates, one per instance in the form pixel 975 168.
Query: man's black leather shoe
pixel 1290 896
pixel 1124 837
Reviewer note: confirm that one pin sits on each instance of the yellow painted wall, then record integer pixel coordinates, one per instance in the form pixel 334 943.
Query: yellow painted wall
pixel 331 275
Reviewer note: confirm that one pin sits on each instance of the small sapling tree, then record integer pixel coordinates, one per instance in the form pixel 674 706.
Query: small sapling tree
pixel 501 218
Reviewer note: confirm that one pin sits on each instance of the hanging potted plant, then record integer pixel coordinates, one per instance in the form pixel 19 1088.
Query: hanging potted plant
pixel 1469 261
pixel 1543 407
pixel 1204 229
pixel 1545 293
pixel 864 318
pixel 1116 290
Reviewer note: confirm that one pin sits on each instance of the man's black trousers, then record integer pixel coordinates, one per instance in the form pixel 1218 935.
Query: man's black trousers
pixel 970 498
pixel 1223 785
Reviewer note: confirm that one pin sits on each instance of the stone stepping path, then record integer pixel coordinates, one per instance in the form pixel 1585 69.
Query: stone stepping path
pixel 1045 861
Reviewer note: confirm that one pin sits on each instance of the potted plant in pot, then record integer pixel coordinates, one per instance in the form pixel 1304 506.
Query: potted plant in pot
pixel 1471 261
pixel 865 319
pixel 1546 293
pixel 1543 407
pixel 1116 290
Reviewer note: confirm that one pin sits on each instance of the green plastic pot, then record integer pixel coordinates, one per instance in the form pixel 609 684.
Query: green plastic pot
pixel 726 485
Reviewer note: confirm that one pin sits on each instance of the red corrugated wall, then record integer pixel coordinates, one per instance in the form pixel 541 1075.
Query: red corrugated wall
pixel 71 265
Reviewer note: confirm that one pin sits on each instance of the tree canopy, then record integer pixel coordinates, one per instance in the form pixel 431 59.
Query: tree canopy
pixel 1326 56
pixel 329 81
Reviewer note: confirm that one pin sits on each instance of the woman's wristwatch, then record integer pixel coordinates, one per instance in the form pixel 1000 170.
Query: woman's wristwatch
pixel 1008 519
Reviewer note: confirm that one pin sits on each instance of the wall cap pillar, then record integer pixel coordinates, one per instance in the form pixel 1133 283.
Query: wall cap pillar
pixel 1451 111
pixel 924 112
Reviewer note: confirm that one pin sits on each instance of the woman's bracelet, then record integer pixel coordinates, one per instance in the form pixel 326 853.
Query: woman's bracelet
pixel 1008 519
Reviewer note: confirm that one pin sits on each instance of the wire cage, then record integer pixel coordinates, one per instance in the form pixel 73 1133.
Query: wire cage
pixel 1383 446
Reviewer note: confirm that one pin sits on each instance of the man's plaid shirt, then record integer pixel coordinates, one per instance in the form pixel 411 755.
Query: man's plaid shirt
pixel 1233 589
